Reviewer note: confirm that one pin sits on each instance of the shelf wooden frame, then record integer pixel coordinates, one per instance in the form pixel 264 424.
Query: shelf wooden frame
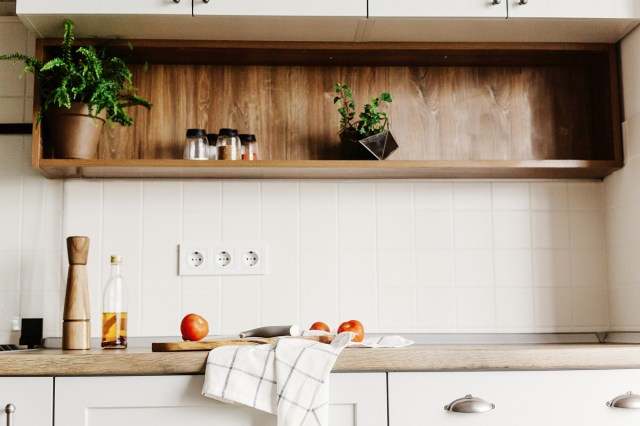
pixel 595 159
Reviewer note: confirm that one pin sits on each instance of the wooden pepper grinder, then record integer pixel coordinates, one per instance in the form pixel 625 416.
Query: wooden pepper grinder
pixel 76 326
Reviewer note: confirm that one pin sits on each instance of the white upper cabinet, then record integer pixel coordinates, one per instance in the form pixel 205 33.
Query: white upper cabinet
pixel 90 7
pixel 575 9
pixel 284 8
pixel 438 9
pixel 603 21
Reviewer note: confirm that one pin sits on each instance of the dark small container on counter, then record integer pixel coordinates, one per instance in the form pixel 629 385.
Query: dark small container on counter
pixel 249 147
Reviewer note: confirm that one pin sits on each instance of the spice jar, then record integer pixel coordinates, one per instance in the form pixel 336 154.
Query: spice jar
pixel 249 147
pixel 196 145
pixel 212 138
pixel 228 145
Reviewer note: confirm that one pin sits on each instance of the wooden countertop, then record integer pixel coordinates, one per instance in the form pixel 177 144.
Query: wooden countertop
pixel 141 361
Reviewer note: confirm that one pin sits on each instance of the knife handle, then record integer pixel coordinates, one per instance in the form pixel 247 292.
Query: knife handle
pixel 272 331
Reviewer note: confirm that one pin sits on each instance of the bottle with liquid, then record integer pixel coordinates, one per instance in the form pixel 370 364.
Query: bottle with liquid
pixel 114 308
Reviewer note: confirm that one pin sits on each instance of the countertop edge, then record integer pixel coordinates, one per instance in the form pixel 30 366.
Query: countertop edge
pixel 54 362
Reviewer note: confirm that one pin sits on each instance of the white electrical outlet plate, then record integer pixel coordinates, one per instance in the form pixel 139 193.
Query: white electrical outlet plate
pixel 233 258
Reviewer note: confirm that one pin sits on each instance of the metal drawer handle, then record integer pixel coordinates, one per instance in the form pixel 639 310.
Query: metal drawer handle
pixel 176 1
pixel 469 404
pixel 496 1
pixel 10 409
pixel 627 400
pixel 524 1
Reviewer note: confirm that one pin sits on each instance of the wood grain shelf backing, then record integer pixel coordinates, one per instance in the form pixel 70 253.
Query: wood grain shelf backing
pixel 465 108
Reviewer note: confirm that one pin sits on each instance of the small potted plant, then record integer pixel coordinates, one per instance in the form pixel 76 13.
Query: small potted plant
pixel 369 137
pixel 80 90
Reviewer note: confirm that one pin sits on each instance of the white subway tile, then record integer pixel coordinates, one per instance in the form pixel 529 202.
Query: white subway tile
pixel 9 308
pixel 623 308
pixel 472 229
pixel 550 229
pixel 318 267
pixel 9 271
pixel 396 268
pixel 589 268
pixel 434 268
pixel 10 224
pixel 240 304
pixel 624 268
pixel 122 215
pixel 319 304
pixel 632 139
pixel 433 196
pixel 620 224
pixel 394 196
pixel 279 303
pixel 51 314
pixel 359 304
pixel 202 197
pixel 10 193
pixel 160 270
pixel 202 283
pixel 475 310
pixel 283 265
pixel 197 226
pixel 11 157
pixel 318 195
pixel 240 224
pixel 434 229
pixel 397 310
pixel 553 309
pixel 318 229
pixel 512 268
pixel 395 229
pixel 510 195
pixel 12 110
pixel 357 229
pixel 161 229
pixel 552 268
pixel 590 307
pixel 160 314
pixel 160 197
pixel 279 228
pixel 472 196
pixel 83 210
pixel 240 195
pixel 31 304
pixel 514 309
pixel 587 230
pixel 280 196
pixel 474 268
pixel 586 196
pixel 436 310
pixel 357 196
pixel 511 229
pixel 357 268
pixel 549 196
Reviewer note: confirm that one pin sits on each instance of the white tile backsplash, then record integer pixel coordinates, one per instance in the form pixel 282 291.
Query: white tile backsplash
pixel 401 256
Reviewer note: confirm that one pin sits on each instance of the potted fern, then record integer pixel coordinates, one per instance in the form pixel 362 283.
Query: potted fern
pixel 369 137
pixel 80 90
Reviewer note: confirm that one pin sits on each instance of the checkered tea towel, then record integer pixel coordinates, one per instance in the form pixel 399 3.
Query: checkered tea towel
pixel 369 342
pixel 290 378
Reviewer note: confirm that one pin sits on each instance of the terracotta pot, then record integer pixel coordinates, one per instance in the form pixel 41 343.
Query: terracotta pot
pixel 73 133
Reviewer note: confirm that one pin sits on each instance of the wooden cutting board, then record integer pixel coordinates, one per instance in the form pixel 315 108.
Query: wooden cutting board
pixel 206 345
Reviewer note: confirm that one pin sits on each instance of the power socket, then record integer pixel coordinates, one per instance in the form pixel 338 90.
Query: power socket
pixel 235 258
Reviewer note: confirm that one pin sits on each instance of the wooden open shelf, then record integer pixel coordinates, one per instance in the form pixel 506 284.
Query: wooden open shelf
pixel 484 110
pixel 328 169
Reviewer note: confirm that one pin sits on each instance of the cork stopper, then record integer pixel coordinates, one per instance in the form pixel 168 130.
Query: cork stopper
pixel 116 258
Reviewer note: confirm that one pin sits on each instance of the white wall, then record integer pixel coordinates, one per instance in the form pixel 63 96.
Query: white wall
pixel 623 202
pixel 402 256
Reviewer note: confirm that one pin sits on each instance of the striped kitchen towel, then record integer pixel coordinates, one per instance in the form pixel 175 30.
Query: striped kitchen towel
pixel 290 378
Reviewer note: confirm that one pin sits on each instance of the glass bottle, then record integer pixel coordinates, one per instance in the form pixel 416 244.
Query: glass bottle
pixel 114 308
pixel 228 145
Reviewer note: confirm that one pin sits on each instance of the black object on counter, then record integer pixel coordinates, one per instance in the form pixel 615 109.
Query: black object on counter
pixel 31 332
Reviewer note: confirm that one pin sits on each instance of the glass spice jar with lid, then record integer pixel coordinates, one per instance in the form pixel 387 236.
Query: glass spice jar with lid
pixel 196 145
pixel 249 147
pixel 228 145
pixel 212 138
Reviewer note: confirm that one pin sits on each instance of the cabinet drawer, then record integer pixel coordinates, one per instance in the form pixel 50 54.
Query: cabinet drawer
pixel 523 398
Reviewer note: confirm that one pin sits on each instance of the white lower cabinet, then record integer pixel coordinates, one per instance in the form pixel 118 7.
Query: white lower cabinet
pixel 31 398
pixel 356 399
pixel 523 398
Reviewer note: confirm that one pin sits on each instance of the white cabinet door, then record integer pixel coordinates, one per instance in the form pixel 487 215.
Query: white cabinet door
pixel 438 9
pixel 523 398
pixel 32 398
pixel 356 400
pixel 357 8
pixel 117 7
pixel 572 9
